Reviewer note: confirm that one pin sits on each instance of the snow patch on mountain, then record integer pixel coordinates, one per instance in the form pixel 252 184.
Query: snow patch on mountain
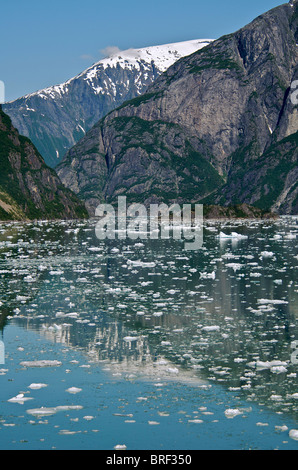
pixel 162 57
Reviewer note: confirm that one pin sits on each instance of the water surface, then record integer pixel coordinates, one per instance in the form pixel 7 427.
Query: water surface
pixel 155 347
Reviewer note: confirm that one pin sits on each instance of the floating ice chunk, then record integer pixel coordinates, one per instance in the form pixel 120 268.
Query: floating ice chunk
pixel 66 432
pixel 162 362
pixel 235 266
pixel 195 421
pixel 276 397
pixel 211 328
pixel 272 301
pixel 206 275
pixel 120 447
pixel 153 423
pixel 173 370
pixel 43 411
pixel 281 428
pixel 129 339
pixel 141 264
pixel 233 235
pixel 291 236
pixel 43 363
pixel 37 386
pixel 267 254
pixel 223 235
pixel 56 273
pixel 276 367
pixel 293 434
pixel 239 236
pixel 294 395
pixel 74 390
pixel 231 413
pixel 20 398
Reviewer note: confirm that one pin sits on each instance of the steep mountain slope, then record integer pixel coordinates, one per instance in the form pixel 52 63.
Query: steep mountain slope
pixel 217 126
pixel 28 188
pixel 57 117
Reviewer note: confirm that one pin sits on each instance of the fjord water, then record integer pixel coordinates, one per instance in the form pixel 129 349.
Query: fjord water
pixel 142 344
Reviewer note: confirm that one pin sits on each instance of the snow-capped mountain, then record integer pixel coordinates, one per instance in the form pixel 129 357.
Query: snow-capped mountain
pixel 219 126
pixel 55 118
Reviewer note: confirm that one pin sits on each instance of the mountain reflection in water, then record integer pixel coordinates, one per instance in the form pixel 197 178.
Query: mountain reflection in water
pixel 148 309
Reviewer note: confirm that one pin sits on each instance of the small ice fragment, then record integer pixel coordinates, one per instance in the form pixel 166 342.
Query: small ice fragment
pixel 281 428
pixel 274 366
pixel 43 411
pixel 294 434
pixel 37 386
pixel 233 235
pixel 20 398
pixel 231 413
pixel 267 254
pixel 278 370
pixel 173 370
pixel 120 447
pixel 43 363
pixel 211 328
pixel 276 397
pixel 294 395
pixel 74 390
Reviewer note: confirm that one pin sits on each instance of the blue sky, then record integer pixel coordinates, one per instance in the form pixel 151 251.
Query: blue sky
pixel 44 42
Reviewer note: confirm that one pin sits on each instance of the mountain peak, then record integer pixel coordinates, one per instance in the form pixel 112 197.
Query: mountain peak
pixel 216 127
pixel 56 117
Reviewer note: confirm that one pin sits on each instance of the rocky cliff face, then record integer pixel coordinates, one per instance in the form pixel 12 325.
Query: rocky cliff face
pixel 218 126
pixel 28 188
pixel 57 117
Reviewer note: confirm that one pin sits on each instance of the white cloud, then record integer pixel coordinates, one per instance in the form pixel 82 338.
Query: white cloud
pixel 110 51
